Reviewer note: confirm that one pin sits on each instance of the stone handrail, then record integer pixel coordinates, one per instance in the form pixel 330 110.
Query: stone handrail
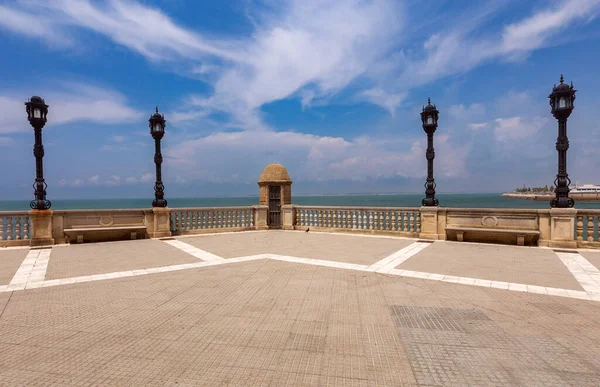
pixel 562 228
pixel 398 220
pixel 15 228
pixel 586 228
pixel 206 219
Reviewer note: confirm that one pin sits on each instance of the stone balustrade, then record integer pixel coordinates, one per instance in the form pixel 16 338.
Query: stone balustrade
pixel 563 228
pixel 406 221
pixel 197 220
pixel 586 228
pixel 15 228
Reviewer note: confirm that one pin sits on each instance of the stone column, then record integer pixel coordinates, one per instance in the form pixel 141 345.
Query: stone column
pixel 429 223
pixel 161 224
pixel 288 212
pixel 544 228
pixel 260 217
pixel 562 227
pixel 41 228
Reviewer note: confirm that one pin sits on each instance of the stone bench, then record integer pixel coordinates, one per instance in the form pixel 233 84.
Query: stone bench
pixel 520 234
pixel 78 233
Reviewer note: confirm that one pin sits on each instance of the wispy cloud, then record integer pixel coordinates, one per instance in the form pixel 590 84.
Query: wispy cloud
pixel 69 102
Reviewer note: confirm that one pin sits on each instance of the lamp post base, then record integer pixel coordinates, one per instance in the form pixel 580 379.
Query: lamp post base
pixel 162 223
pixel 41 228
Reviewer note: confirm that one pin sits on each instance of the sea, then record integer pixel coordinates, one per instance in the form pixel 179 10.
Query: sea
pixel 408 200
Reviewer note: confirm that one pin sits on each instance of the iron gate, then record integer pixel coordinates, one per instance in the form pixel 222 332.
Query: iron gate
pixel 274 206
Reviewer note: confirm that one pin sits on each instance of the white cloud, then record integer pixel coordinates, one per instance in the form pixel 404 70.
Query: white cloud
pixel 68 102
pixel 465 113
pixel 146 178
pixel 536 30
pixel 114 180
pixel 382 98
pixel 310 157
pixel 477 126
pixel 131 180
pixel 516 128
pixel 77 182
pixel 118 139
pixel 94 179
pixel 63 182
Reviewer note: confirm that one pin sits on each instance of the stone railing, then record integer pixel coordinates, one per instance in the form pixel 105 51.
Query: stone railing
pixel 15 228
pixel 586 228
pixel 406 221
pixel 557 228
pixel 200 220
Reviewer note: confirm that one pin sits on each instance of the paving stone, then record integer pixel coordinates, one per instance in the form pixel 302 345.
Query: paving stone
pixel 10 260
pixel 270 322
pixel 108 257
pixel 522 265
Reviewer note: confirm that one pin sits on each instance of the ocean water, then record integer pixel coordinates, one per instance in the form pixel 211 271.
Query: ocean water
pixel 410 200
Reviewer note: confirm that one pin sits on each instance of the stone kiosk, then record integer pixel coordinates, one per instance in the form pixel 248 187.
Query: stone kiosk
pixel 275 198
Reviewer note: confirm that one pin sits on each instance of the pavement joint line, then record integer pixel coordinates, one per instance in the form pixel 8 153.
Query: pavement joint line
pixel 32 269
pixel 396 259
pixel 586 274
pixel 192 250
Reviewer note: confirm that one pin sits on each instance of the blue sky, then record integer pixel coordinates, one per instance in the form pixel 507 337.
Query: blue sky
pixel 330 89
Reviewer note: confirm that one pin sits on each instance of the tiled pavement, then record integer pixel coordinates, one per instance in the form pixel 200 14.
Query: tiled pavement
pixel 292 320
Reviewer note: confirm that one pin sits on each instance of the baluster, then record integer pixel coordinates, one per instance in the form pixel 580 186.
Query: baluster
pixel 370 220
pixel 197 217
pixel 363 222
pixel 379 213
pixel 411 222
pixel 17 227
pixel 251 216
pixel 389 221
pixel 300 218
pixel 25 228
pixel 330 219
pixel 9 228
pixel 319 218
pixel 396 224
pixel 1 228
pixel 590 228
pixel 404 221
pixel 418 216
pixel 354 224
pixel 579 228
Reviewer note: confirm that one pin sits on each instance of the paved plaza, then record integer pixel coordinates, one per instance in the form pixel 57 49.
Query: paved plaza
pixel 299 309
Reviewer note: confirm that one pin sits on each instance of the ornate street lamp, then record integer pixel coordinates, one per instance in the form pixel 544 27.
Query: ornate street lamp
pixel 561 101
pixel 157 129
pixel 36 114
pixel 429 116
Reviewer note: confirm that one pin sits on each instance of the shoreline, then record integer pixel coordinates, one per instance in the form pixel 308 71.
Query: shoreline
pixel 584 197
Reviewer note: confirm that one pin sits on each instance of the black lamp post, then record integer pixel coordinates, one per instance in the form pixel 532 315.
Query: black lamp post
pixel 36 114
pixel 561 100
pixel 157 129
pixel 429 116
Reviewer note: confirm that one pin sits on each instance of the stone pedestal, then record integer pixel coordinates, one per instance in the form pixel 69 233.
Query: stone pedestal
pixel 429 223
pixel 41 228
pixel 161 225
pixel 288 217
pixel 562 228
pixel 260 217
